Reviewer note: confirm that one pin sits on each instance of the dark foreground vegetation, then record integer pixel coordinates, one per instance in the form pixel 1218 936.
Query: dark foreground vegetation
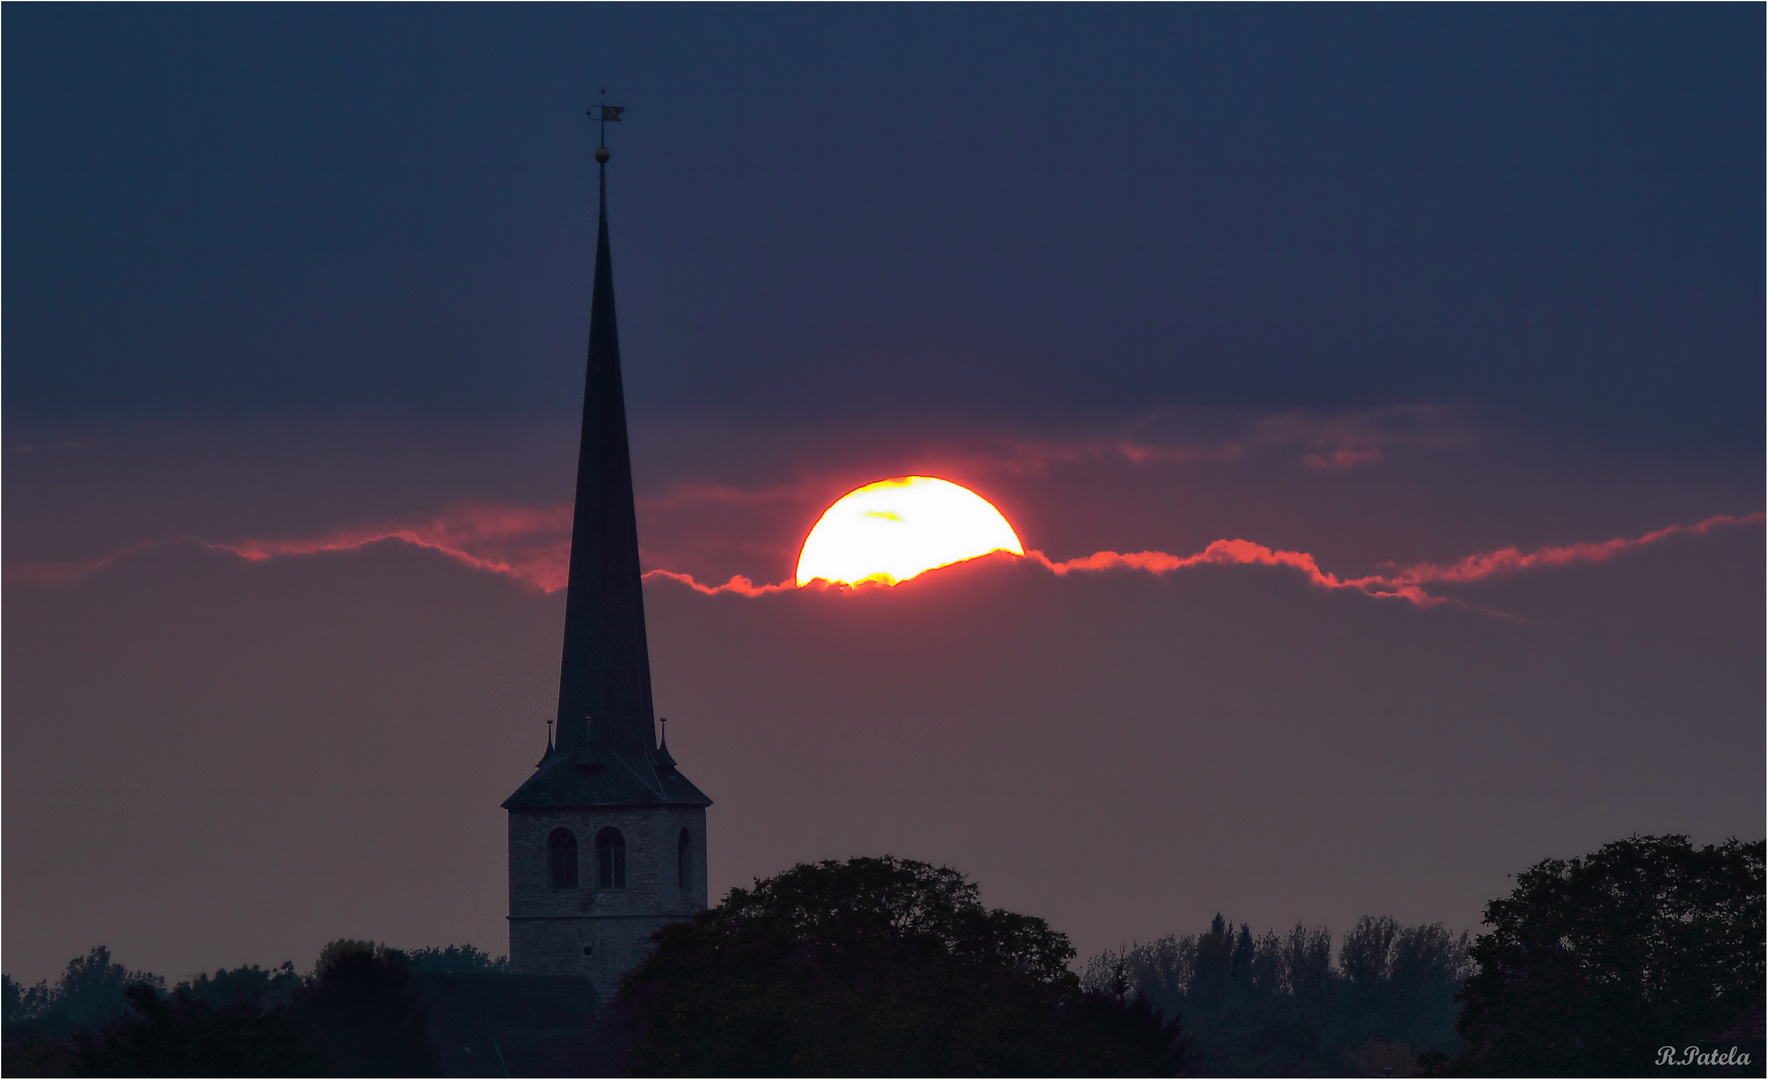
pixel 1590 968
pixel 1596 966
pixel 1276 1005
pixel 359 1013
pixel 880 967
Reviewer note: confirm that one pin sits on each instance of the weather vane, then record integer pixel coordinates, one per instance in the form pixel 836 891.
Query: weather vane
pixel 604 114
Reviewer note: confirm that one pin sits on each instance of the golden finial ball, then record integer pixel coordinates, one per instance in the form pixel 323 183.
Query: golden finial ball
pixel 601 154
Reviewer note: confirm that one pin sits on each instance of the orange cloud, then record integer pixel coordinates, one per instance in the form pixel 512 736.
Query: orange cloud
pixel 738 584
pixel 533 547
pixel 1235 552
pixel 529 545
pixel 1510 560
pixel 1406 584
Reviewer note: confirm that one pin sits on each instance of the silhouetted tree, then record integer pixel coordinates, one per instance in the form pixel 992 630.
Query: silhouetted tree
pixel 1593 964
pixel 1307 965
pixel 1244 953
pixel 90 991
pixel 357 1015
pixel 1213 970
pixel 1427 966
pixel 455 960
pixel 361 1014
pixel 274 989
pixel 186 1035
pixel 1364 955
pixel 1118 1034
pixel 41 1021
pixel 879 967
pixel 1265 966
pixel 1275 1005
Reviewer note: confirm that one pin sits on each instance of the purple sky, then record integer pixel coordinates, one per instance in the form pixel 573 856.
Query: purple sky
pixel 1387 287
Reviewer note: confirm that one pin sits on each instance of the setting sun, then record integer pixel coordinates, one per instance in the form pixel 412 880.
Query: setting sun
pixel 894 529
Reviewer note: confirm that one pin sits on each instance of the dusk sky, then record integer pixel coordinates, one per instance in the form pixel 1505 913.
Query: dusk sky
pixel 1460 307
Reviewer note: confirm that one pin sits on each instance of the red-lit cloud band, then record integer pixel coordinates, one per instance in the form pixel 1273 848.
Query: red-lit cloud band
pixel 1407 583
pixel 532 547
pixel 739 585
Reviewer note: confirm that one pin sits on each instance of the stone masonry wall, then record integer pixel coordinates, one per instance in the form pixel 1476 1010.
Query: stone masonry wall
pixel 592 931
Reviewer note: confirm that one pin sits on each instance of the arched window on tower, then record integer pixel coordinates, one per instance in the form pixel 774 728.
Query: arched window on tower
pixel 561 850
pixel 683 846
pixel 610 859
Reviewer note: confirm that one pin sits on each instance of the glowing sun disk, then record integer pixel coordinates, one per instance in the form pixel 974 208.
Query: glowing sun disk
pixel 894 529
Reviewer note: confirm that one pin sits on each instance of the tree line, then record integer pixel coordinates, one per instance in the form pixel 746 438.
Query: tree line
pixel 1276 1004
pixel 356 1014
pixel 1644 956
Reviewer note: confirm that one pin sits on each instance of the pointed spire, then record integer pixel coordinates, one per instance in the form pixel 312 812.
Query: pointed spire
pixel 605 752
pixel 606 669
pixel 549 746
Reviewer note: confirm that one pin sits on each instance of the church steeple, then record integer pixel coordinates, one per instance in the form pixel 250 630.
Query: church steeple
pixel 605 676
pixel 604 752
pixel 607 837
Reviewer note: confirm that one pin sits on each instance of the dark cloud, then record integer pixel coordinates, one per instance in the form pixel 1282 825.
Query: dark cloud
pixel 1553 214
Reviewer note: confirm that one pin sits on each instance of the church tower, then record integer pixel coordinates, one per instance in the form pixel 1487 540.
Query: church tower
pixel 607 838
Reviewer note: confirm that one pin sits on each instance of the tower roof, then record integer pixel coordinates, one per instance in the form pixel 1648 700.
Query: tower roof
pixel 606 750
pixel 604 779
